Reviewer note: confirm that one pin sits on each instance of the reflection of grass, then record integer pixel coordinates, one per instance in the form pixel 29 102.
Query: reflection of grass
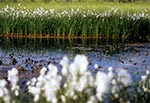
pixel 35 45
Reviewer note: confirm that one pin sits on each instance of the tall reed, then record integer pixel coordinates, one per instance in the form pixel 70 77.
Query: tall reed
pixel 74 22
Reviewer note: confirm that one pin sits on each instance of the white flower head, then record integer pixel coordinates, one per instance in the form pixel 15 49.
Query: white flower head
pixel 114 82
pixel 65 64
pixel 2 83
pixel 147 72
pixel 33 81
pixel 63 98
pixel 110 69
pixel 1 93
pixel 36 92
pixel 110 73
pixel 7 99
pixel 43 71
pixel 80 64
pixel 143 78
pixel 13 78
pixel 92 99
pixel 16 93
pixel 53 69
pixel 4 92
pixel 96 66
pixel 3 89
pixel 102 85
pixel 116 95
pixel 124 77
pixel 82 83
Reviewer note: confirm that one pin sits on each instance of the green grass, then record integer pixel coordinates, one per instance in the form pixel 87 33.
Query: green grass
pixel 85 19
pixel 91 5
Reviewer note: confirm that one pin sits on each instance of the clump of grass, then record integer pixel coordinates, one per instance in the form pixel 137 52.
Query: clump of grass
pixel 74 22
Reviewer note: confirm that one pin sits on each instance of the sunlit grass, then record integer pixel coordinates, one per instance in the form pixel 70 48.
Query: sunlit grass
pixel 74 22
pixel 86 19
pixel 90 5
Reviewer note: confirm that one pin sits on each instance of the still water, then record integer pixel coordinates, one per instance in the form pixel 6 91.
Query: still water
pixel 34 53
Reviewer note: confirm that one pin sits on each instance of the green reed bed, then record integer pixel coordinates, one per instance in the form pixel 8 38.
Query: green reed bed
pixel 74 22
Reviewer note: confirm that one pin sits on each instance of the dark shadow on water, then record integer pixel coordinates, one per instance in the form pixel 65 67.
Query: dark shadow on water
pixel 32 45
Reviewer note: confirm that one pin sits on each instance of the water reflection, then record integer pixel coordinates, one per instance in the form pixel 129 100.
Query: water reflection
pixel 35 53
pixel 45 46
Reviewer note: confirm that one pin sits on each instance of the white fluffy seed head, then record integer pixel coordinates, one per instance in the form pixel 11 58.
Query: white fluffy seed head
pixel 114 82
pixel 3 83
pixel 102 85
pixel 36 98
pixel 52 69
pixel 65 65
pixel 1 93
pixel 143 78
pixel 16 93
pixel 7 99
pixel 116 95
pixel 64 62
pixel 96 66
pixel 82 63
pixel 92 99
pixel 124 77
pixel 110 69
pixel 43 71
pixel 63 98
pixel 147 72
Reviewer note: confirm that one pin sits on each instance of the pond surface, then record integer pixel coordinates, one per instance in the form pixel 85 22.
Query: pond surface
pixel 36 53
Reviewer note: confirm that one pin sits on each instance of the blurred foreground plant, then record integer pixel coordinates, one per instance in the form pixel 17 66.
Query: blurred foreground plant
pixel 76 84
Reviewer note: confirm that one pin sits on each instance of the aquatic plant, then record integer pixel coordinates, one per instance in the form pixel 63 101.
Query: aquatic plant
pixel 74 22
pixel 13 78
pixel 75 83
pixel 4 91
